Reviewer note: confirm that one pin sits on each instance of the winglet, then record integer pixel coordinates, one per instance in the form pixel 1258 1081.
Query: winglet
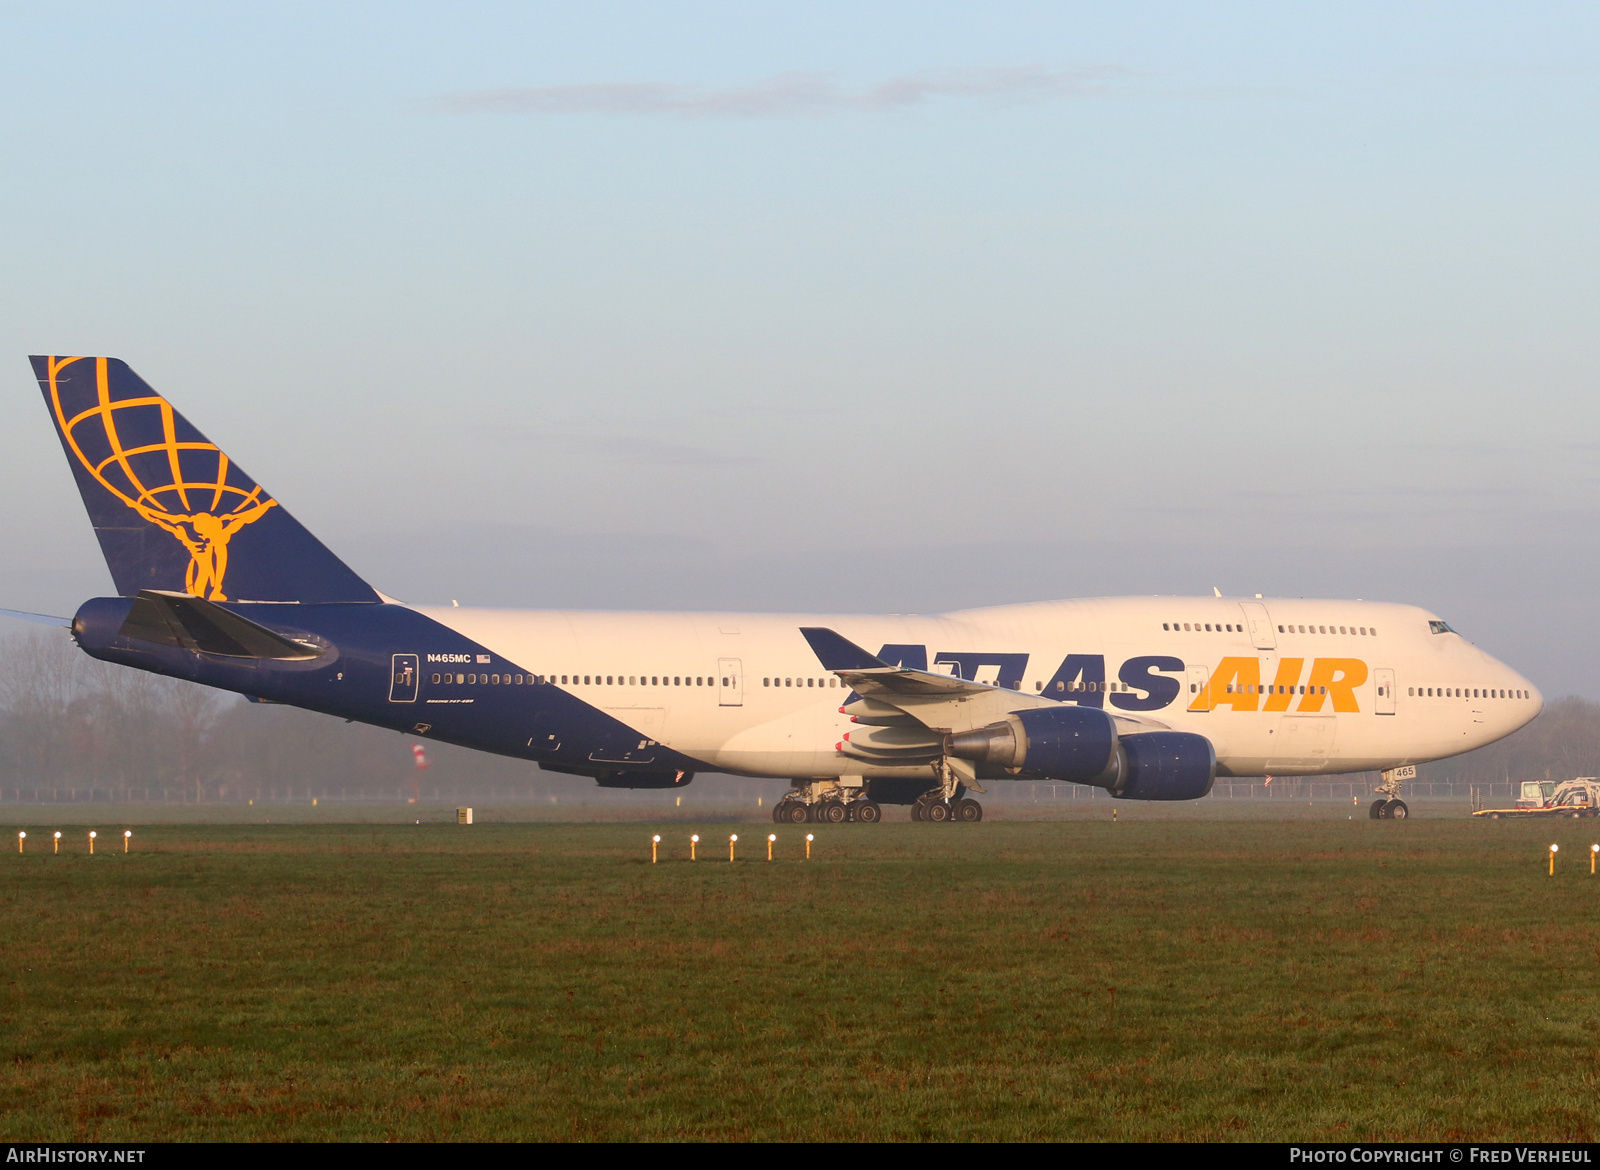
pixel 837 652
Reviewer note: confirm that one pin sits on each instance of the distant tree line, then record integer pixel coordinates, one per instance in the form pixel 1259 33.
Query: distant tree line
pixel 71 726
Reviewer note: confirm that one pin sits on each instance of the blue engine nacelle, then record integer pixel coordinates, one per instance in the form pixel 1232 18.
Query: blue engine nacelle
pixel 1166 765
pixel 1061 743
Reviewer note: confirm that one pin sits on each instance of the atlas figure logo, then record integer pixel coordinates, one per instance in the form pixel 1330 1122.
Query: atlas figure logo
pixel 185 486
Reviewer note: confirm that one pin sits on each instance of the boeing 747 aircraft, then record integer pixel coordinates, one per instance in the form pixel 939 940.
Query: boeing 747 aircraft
pixel 1149 698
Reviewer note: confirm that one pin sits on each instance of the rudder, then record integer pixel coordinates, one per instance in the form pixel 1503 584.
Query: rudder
pixel 171 510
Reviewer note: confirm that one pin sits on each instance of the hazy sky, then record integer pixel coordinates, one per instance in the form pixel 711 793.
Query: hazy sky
pixel 838 306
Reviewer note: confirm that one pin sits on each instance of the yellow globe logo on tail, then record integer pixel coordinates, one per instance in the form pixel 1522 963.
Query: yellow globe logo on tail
pixel 186 487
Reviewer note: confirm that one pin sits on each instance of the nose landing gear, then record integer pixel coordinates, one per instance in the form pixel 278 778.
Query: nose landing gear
pixel 1391 807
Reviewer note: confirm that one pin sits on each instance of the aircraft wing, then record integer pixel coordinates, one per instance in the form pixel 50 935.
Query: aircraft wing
pixel 939 702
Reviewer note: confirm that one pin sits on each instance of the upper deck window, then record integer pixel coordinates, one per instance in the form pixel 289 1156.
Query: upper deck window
pixel 1438 627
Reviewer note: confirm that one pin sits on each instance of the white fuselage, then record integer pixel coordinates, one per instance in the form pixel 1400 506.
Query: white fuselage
pixel 1278 686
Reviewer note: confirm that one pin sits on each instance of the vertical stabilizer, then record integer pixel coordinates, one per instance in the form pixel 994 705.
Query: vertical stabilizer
pixel 172 511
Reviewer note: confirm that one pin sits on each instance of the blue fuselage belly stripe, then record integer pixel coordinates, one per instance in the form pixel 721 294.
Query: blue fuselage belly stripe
pixel 353 680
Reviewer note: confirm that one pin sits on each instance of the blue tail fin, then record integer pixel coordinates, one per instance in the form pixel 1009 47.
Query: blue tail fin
pixel 171 510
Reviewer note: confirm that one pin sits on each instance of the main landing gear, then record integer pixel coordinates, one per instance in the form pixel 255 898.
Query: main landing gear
pixel 933 807
pixel 836 801
pixel 826 802
pixel 948 800
pixel 1388 810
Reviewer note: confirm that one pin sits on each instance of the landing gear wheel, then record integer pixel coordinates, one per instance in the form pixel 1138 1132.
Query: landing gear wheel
pixel 834 813
pixel 938 811
pixel 968 811
pixel 1396 810
pixel 1376 811
pixel 780 811
pixel 916 811
pixel 868 812
pixel 799 814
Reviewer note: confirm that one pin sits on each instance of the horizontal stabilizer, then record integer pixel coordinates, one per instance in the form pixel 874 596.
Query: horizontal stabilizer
pixel 191 623
pixel 42 619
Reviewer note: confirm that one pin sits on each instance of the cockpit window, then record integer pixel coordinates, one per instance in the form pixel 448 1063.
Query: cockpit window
pixel 1437 627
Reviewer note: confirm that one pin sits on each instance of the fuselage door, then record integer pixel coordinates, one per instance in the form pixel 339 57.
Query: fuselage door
pixel 730 682
pixel 1383 703
pixel 1261 634
pixel 1199 676
pixel 404 675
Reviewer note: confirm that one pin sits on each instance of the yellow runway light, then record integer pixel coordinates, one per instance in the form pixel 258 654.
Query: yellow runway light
pixel 693 841
pixel 809 839
pixel 1554 849
pixel 127 835
pixel 731 842
pixel 21 837
pixel 92 836
pixel 58 841
pixel 771 837
pixel 654 843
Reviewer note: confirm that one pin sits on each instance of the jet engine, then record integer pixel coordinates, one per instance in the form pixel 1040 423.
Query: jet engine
pixel 1167 765
pixel 1062 743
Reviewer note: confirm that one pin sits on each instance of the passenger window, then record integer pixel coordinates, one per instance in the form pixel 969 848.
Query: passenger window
pixel 436 679
pixel 1280 629
pixel 1061 686
pixel 1186 625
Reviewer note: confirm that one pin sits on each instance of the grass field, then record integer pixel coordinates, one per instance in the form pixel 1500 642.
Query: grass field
pixel 1162 978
